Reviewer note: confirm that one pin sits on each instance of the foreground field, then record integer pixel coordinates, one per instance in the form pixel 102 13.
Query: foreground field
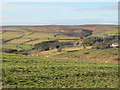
pixel 21 71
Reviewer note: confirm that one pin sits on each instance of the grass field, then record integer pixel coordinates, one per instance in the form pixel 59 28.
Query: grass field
pixel 14 29
pixel 10 35
pixel 40 35
pixel 39 72
pixel 18 41
pixel 105 55
pixel 18 47
pixel 35 41
pixel 103 33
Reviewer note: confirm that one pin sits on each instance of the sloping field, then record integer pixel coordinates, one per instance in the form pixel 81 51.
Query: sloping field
pixel 40 35
pixel 10 35
pixel 99 55
pixel 39 72
pixel 101 30
pixel 18 41
pixel 36 41
pixel 18 47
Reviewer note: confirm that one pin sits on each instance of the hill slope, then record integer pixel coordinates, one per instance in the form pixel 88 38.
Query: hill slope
pixel 21 71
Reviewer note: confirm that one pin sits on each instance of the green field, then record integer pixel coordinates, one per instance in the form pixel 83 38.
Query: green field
pixel 39 72
pixel 11 35
pixel 103 33
pixel 18 47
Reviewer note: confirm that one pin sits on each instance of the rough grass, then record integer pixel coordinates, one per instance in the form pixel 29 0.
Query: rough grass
pixel 105 55
pixel 18 47
pixel 39 72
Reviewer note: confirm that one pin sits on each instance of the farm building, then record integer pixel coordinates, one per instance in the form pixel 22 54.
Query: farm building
pixel 114 45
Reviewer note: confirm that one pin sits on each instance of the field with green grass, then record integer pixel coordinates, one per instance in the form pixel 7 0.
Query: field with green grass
pixel 21 71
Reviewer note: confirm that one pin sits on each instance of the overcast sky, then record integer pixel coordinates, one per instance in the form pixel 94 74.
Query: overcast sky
pixel 70 13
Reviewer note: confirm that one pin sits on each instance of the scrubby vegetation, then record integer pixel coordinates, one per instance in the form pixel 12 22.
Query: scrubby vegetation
pixel 39 72
pixel 82 34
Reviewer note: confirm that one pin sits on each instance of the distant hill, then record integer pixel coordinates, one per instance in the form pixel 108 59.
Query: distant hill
pixel 65 28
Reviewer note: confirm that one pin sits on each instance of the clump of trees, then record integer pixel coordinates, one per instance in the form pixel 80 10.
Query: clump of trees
pixel 101 42
pixel 49 45
pixel 82 34
pixel 15 51
pixel 101 45
pixel 10 50
pixel 92 40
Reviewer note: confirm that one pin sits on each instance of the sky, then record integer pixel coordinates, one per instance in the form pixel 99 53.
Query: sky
pixel 59 13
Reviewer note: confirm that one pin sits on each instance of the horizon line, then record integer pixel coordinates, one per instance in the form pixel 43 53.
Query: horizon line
pixel 53 24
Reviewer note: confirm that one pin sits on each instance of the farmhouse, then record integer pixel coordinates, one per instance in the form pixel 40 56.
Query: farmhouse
pixel 114 45
pixel 114 34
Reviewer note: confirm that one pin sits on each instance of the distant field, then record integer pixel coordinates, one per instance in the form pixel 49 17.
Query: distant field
pixel 66 37
pixel 18 47
pixel 35 41
pixel 40 35
pixel 18 41
pixel 103 33
pixel 10 35
pixel 105 55
pixel 15 29
pixel 21 71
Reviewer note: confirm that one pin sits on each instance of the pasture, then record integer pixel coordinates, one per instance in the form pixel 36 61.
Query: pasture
pixel 21 71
